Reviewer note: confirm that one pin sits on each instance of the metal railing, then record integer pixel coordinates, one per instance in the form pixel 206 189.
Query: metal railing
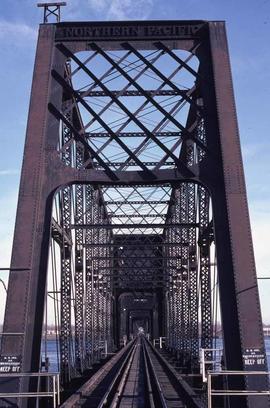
pixel 229 393
pixel 210 358
pixel 52 392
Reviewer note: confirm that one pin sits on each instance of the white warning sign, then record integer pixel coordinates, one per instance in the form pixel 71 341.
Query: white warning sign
pixel 254 359
pixel 10 364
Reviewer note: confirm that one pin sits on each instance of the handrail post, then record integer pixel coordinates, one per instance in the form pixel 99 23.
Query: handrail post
pixel 54 390
pixel 209 393
pixel 203 366
pixel 58 389
pixel 38 389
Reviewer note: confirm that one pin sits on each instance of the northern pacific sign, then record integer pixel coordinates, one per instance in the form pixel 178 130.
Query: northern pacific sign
pixel 87 31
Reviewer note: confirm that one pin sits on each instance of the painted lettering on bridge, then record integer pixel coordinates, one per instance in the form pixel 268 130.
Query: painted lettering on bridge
pixel 100 32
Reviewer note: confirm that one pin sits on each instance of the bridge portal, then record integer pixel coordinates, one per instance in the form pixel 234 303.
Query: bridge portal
pixel 132 210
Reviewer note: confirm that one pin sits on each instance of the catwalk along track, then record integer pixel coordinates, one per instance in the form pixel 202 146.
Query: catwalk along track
pixel 138 377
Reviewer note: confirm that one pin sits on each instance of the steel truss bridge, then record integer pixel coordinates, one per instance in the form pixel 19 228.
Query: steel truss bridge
pixel 132 213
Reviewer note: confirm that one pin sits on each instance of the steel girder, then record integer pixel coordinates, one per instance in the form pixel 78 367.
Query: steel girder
pixel 202 159
pixel 181 272
pixel 66 366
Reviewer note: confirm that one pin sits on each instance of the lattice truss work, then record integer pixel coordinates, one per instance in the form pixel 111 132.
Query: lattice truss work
pixel 132 126
pixel 131 107
pixel 131 110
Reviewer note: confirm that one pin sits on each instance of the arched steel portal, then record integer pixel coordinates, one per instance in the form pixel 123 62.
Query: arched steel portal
pixel 148 131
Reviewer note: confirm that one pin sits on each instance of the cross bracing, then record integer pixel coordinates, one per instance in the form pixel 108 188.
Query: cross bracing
pixel 156 124
pixel 125 130
pixel 149 247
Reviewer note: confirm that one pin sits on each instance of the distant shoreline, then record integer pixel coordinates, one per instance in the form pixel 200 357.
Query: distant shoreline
pixel 53 337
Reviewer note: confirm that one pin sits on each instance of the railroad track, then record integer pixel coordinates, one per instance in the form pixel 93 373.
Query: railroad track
pixel 139 377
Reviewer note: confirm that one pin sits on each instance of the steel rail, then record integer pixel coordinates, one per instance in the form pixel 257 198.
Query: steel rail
pixel 148 381
pixel 185 392
pixel 154 392
pixel 116 387
pixel 158 395
pixel 121 387
pixel 148 392
pixel 84 393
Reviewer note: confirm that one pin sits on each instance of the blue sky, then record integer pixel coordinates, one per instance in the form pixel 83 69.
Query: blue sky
pixel 248 29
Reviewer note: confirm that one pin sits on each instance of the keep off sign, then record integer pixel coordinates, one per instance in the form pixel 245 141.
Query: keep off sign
pixel 10 364
pixel 254 359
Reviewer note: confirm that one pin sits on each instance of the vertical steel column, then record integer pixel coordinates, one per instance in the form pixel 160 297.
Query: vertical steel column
pixel 99 299
pixel 205 278
pixel 96 297
pixel 108 289
pixel 190 156
pixel 66 271
pixel 107 283
pixel 170 318
pixel 177 249
pixel 79 266
pixel 88 278
pixel 241 317
pixel 102 271
pixel 104 274
pixel 193 278
pixel 173 273
pixel 169 278
pixel 102 277
pixel 182 217
pixel 177 309
pixel 26 289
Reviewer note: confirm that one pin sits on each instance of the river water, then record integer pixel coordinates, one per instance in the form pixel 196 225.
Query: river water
pixel 52 352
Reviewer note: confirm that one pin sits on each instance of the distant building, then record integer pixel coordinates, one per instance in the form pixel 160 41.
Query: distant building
pixel 266 331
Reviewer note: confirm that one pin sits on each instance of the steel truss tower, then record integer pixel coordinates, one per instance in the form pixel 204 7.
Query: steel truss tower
pixel 98 160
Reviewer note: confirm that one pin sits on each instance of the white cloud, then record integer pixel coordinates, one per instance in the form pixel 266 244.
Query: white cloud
pixel 260 232
pixel 9 172
pixel 16 31
pixel 260 225
pixel 130 9
pixel 74 11
pixel 8 204
pixel 253 150
pixel 250 150
pixel 99 5
pixel 123 9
